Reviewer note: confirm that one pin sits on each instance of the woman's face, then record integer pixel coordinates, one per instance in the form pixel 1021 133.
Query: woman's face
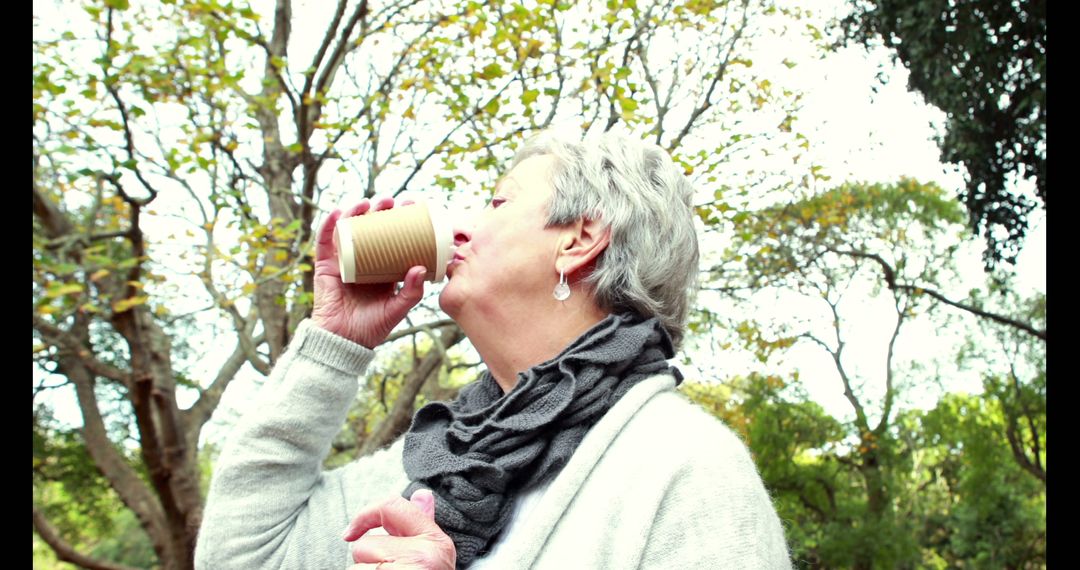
pixel 505 262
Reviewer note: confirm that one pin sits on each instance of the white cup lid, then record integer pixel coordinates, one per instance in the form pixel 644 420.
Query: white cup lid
pixel 444 239
pixel 346 254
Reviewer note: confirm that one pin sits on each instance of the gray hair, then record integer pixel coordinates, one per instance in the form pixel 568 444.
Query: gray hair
pixel 651 263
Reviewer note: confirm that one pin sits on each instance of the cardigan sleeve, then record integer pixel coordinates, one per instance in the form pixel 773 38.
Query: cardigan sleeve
pixel 716 513
pixel 270 504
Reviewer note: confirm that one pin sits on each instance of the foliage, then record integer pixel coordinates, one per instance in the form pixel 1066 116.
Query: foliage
pixel 79 502
pixel 995 514
pixel 983 63
pixel 842 483
pixel 959 498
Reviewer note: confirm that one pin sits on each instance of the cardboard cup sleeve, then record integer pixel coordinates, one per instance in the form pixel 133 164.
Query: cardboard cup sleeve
pixel 381 247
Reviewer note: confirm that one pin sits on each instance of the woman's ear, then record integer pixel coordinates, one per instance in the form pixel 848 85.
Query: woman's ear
pixel 583 243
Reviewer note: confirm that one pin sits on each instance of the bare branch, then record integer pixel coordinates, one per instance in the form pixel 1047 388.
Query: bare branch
pixel 400 414
pixel 122 478
pixel 721 68
pixel 64 551
pixel 1033 464
pixel 316 61
pixel 837 355
pixel 129 142
pixel 890 279
pixel 889 392
pixel 199 413
pixel 55 222
pixel 61 338
pixel 427 327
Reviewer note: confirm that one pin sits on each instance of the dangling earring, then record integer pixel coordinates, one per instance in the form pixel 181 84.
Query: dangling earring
pixel 562 290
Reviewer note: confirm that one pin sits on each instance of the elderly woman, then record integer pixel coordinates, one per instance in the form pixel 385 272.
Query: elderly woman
pixel 572 450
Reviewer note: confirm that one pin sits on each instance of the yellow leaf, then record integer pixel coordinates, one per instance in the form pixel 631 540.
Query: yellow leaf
pixel 127 304
pixel 64 290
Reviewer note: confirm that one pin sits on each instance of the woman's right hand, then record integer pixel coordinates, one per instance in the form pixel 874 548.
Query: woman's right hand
pixel 364 314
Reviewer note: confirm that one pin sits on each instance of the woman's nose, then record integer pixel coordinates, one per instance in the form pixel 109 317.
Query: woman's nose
pixel 462 235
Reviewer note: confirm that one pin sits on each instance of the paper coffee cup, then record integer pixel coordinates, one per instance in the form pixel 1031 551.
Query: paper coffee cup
pixel 381 247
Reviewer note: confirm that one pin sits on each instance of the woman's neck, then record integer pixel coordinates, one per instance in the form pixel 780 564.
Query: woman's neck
pixel 526 338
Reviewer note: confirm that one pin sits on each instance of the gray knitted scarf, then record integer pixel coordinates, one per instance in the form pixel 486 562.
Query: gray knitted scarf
pixel 480 451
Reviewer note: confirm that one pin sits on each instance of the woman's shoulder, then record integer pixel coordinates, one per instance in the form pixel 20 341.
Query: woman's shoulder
pixel 672 427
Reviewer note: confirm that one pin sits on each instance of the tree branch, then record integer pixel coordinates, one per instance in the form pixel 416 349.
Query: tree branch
pixel 64 551
pixel 889 394
pixel 61 338
pixel 129 142
pixel 849 392
pixel 122 478
pixel 200 412
pixel 400 414
pixel 426 327
pixel 890 279
pixel 721 68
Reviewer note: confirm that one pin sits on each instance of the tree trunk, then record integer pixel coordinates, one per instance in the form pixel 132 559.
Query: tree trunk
pixel 401 413
pixel 172 465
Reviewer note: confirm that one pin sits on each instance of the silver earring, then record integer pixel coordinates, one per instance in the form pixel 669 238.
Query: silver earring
pixel 562 290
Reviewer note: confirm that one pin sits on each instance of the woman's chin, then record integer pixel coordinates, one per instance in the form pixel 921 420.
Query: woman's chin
pixel 450 301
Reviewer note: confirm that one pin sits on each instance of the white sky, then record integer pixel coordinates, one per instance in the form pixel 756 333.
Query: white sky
pixel 856 135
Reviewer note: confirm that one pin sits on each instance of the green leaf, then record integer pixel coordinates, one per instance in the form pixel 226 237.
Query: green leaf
pixel 491 71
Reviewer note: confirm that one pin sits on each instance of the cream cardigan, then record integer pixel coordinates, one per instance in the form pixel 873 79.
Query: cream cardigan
pixel 657 483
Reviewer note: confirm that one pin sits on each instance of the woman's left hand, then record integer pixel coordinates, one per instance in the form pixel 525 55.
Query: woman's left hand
pixel 415 541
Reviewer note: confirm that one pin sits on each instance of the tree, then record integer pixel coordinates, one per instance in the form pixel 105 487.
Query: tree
pixel 882 470
pixel 983 63
pixel 184 151
pixel 817 248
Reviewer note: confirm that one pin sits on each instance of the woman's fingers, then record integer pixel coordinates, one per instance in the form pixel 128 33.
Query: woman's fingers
pixel 410 294
pixel 381 547
pixel 375 548
pixel 414 540
pixel 383 204
pixel 324 243
pixel 398 516
pixel 425 500
pixel 359 209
